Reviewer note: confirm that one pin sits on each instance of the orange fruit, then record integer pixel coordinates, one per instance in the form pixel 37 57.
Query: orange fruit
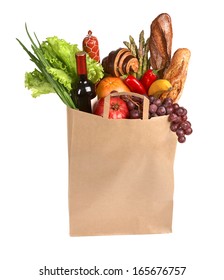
pixel 110 84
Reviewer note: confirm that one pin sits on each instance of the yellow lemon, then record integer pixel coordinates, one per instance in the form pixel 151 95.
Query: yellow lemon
pixel 159 86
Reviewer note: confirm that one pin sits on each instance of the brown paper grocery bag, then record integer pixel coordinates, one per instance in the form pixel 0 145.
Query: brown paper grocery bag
pixel 121 177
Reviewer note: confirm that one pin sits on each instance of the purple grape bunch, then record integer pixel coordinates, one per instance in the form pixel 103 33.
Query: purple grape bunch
pixel 177 115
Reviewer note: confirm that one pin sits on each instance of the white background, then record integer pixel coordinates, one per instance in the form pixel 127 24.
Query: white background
pixel 33 144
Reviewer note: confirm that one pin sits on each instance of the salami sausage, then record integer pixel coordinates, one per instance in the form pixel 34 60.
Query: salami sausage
pixel 91 46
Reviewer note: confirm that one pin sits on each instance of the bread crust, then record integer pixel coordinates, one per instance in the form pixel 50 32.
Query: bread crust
pixel 160 42
pixel 176 73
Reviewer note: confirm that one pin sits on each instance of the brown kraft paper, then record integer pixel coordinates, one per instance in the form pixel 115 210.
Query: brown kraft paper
pixel 121 178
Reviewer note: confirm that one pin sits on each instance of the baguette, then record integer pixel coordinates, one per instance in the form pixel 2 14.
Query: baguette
pixel 160 42
pixel 176 73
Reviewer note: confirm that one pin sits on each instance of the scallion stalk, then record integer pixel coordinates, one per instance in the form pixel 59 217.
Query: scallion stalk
pixel 42 65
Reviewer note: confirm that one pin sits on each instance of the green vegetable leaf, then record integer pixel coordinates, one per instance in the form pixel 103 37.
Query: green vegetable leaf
pixel 61 76
pixel 36 82
pixel 60 54
pixel 40 61
pixel 95 70
pixel 55 60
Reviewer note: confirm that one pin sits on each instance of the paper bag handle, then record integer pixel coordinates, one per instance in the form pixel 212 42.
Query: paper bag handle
pixel 145 111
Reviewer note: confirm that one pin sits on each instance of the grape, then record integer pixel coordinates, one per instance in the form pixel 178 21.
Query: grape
pixel 172 117
pixel 174 127
pixel 180 132
pixel 167 102
pixel 130 105
pixel 169 110
pixel 161 111
pixel 152 108
pixel 180 111
pixel 189 123
pixel 181 139
pixel 188 131
pixel 177 120
pixel 185 111
pixel 184 118
pixel 177 115
pixel 185 125
pixel 175 106
pixel 151 99
pixel 134 114
pixel 157 102
pixel 179 123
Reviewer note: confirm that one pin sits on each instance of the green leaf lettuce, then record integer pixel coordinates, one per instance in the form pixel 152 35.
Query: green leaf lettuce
pixel 36 82
pixel 55 60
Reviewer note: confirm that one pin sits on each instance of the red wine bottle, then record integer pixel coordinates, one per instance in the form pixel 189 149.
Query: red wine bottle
pixel 84 91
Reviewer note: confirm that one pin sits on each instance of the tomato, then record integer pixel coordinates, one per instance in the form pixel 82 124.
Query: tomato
pixel 118 108
pixel 109 84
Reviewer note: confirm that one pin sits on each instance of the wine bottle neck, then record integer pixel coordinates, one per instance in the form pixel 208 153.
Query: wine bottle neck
pixel 81 63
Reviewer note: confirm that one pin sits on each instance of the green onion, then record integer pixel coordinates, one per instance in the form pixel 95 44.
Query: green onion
pixel 42 64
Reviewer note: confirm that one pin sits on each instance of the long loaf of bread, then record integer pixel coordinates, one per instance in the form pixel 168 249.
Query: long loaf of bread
pixel 160 42
pixel 176 73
